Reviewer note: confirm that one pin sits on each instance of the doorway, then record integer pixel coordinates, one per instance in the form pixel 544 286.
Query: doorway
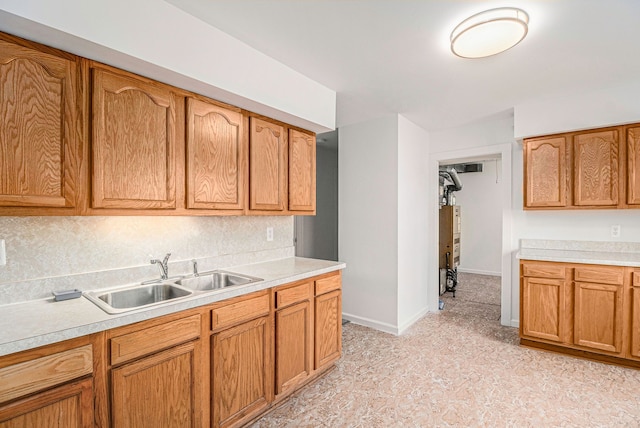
pixel 503 151
pixel 478 249
pixel 317 236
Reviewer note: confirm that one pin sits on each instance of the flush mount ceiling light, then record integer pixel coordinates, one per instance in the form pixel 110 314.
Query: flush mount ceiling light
pixel 490 32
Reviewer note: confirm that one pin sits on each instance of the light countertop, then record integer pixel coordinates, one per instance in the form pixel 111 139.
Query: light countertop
pixel 41 322
pixel 588 252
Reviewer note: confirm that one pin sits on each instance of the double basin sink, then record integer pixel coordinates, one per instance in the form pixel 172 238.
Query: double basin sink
pixel 123 299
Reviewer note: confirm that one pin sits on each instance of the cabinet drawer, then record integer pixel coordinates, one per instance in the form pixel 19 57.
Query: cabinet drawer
pixel 237 312
pixel 544 270
pixel 153 339
pixel 600 274
pixel 292 295
pixel 44 372
pixel 330 283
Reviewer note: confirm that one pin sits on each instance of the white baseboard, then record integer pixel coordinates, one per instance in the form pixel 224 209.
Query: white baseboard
pixel 377 325
pixel 412 320
pixel 515 323
pixel 479 272
pixel 381 326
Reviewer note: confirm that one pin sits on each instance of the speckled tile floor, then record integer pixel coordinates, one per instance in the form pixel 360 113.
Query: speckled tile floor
pixel 460 368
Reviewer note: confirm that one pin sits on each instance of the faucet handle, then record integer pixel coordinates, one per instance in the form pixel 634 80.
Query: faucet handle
pixel 195 267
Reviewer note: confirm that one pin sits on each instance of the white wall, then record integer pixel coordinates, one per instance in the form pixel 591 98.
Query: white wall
pixel 383 235
pixel 413 153
pixel 317 235
pixel 575 111
pixel 159 40
pixel 480 201
pixel 367 221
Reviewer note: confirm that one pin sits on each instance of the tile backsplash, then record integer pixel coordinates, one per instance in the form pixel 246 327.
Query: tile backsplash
pixel 52 253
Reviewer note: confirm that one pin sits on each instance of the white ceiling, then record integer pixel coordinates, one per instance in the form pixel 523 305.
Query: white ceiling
pixel 392 56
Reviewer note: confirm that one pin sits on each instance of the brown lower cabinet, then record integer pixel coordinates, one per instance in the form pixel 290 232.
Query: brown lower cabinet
pixel 51 386
pixel 587 310
pixel 219 365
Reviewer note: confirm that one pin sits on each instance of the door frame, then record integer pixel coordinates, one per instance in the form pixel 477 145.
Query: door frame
pixel 508 246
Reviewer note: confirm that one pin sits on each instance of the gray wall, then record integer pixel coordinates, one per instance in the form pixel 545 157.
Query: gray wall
pixel 317 236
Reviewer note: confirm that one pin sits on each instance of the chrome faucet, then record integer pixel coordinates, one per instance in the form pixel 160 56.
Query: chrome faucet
pixel 163 265
pixel 195 267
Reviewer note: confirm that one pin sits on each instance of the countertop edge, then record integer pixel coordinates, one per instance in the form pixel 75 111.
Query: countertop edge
pixel 580 257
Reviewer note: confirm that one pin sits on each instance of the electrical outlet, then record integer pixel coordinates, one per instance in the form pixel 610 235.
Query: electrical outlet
pixel 615 231
pixel 269 233
pixel 3 253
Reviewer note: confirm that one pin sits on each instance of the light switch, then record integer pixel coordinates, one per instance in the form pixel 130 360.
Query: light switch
pixel 3 253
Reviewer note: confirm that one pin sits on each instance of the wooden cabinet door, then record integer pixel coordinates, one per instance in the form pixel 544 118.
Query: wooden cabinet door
pixel 634 348
pixel 294 346
pixel 38 135
pixel 328 328
pixel 133 143
pixel 67 406
pixel 598 316
pixel 633 166
pixel 242 372
pixel 268 166
pixel 216 157
pixel 302 171
pixel 596 168
pixel 545 172
pixel 543 308
pixel 158 391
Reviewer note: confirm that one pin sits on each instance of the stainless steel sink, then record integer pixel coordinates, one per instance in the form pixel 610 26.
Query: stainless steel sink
pixel 215 280
pixel 119 300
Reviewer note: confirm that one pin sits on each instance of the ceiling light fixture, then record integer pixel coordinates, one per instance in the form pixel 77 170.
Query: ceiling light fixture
pixel 490 32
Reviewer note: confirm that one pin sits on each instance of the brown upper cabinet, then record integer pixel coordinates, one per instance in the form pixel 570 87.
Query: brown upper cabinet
pixel 133 142
pixel 83 138
pixel 268 165
pixel 633 165
pixel 595 173
pixel 282 165
pixel 587 169
pixel 216 156
pixel 39 135
pixel 545 169
pixel 302 171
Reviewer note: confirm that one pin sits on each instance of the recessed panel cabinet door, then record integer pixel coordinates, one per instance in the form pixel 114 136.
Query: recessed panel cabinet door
pixel 598 316
pixel 633 166
pixel 157 391
pixel 294 350
pixel 328 328
pixel 242 373
pixel 634 348
pixel 545 172
pixel 268 166
pixel 302 171
pixel 38 138
pixel 67 406
pixel 596 169
pixel 543 308
pixel 216 153
pixel 133 143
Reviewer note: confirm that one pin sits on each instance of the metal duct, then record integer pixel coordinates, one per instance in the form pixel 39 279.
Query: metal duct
pixel 451 175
